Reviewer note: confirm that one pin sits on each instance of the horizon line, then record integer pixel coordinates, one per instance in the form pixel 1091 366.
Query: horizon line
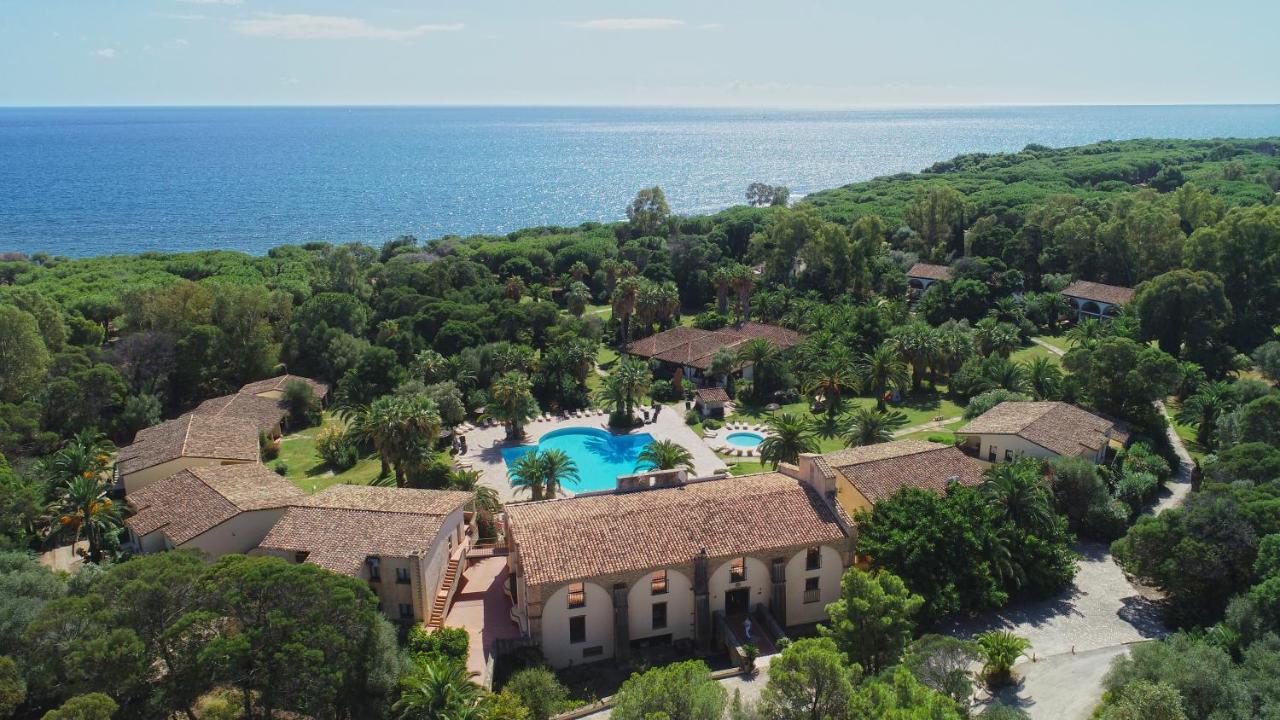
pixel 621 106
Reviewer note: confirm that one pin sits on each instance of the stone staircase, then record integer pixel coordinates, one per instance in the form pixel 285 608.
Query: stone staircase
pixel 440 607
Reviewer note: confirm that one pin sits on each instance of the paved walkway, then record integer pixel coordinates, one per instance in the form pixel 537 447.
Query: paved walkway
pixel 481 608
pixel 484 445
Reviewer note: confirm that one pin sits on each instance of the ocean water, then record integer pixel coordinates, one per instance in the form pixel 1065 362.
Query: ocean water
pixel 109 180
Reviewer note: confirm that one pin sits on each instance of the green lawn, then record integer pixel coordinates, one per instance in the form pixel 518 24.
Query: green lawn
pixel 1032 351
pixel 309 472
pixel 1186 432
pixel 1057 341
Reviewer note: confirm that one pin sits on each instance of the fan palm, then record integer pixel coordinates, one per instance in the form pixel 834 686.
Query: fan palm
pixel 429 366
pixel 999 650
pixel 88 513
pixel 625 296
pixel 512 403
pixel 576 298
pixel 917 344
pixel 791 435
pixel 543 473
pixel 868 427
pixel 1044 378
pixel 437 689
pixel 666 455
pixel 1021 494
pixel 762 357
pixel 997 338
pixel 830 378
pixel 881 369
pixel 1204 407
pixel 401 429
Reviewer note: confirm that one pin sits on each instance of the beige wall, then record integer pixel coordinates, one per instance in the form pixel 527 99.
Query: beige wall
pixel 850 498
pixel 555 626
pixel 679 600
pixel 240 534
pixel 1021 447
pixel 757 580
pixel 832 568
pixel 137 480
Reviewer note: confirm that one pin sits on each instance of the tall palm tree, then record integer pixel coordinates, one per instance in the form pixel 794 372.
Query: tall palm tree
pixel 578 270
pixel 869 427
pixel 543 474
pixel 576 298
pixel 744 283
pixel 666 455
pixel 557 470
pixel 1203 408
pixel 88 513
pixel 917 344
pixel 401 429
pixel 1044 378
pixel 790 435
pixel 880 369
pixel 624 388
pixel 830 378
pixel 722 280
pixel 512 403
pixel 437 689
pixel 1021 493
pixel 762 357
pixel 625 297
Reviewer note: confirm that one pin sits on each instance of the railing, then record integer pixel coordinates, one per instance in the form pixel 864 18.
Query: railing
pixel 812 596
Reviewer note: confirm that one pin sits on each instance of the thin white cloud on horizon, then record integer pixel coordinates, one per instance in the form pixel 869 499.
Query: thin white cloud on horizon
pixel 213 2
pixel 630 24
pixel 106 53
pixel 298 26
pixel 194 17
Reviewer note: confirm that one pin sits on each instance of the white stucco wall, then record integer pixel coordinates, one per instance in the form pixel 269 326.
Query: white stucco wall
pixel 1020 447
pixel 137 480
pixel 679 600
pixel 239 534
pixel 799 612
pixel 555 626
pixel 757 580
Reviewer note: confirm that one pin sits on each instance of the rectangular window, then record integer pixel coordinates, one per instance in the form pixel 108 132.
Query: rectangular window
pixel 402 576
pixel 1008 456
pixel 577 595
pixel 375 571
pixel 658 583
pixel 406 611
pixel 811 592
pixel 813 559
pixel 738 570
pixel 659 615
pixel 577 629
pixel 300 556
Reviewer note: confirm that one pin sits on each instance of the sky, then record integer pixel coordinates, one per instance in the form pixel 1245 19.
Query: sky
pixel 741 53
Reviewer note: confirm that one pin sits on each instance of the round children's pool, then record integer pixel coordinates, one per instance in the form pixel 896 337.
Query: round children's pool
pixel 744 439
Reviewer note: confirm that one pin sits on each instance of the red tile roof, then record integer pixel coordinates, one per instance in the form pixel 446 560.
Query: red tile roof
pixel 929 272
pixel 694 347
pixel 880 471
pixel 276 384
pixel 191 435
pixel 1097 292
pixel 193 501
pixel 265 414
pixel 712 395
pixel 1056 426
pixel 592 535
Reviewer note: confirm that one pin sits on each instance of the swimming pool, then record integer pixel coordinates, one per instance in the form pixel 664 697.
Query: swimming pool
pixel 600 456
pixel 744 439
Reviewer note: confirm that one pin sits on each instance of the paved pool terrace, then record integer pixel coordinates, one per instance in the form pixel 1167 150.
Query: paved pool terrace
pixel 485 446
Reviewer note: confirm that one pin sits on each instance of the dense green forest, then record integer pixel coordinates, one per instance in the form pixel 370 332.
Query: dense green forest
pixel 419 334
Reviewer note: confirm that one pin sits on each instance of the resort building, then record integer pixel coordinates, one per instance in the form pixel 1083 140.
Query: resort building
pixel 684 353
pixel 409 545
pixel 1012 430
pixel 216 509
pixel 711 401
pixel 1095 301
pixel 665 559
pixel 260 403
pixel 273 388
pixel 922 275
pixel 188 441
pixel 860 477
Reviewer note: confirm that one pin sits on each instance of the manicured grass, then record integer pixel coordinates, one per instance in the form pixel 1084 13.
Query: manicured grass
pixel 920 408
pixel 604 312
pixel 309 472
pixel 1057 341
pixel 1033 351
pixel 945 434
pixel 606 357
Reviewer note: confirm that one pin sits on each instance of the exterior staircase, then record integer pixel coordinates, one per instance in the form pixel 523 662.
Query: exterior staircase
pixel 440 607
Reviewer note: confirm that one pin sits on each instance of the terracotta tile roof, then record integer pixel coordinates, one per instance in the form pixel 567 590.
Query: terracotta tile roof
pixel 276 384
pixel 195 500
pixel 191 435
pixel 265 414
pixel 712 395
pixel 1056 426
pixel 1097 292
pixel 694 347
pixel 929 272
pixel 342 525
pixel 880 471
pixel 591 535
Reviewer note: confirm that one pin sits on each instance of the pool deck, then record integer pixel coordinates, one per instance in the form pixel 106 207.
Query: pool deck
pixel 484 445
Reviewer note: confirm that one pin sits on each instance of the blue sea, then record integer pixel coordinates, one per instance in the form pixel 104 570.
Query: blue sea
pixel 88 181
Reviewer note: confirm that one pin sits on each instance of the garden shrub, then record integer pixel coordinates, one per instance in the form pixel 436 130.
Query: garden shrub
pixel 1106 519
pixel 268 446
pixel 337 449
pixel 281 468
pixel 450 643
pixel 1135 488
pixel 991 398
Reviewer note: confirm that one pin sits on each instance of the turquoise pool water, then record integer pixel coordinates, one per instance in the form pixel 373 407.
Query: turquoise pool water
pixel 744 439
pixel 600 456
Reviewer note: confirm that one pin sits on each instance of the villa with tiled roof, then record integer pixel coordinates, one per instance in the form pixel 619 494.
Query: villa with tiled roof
pixel 687 351
pixel 665 559
pixel 188 441
pixel 409 544
pixel 1037 429
pixel 1096 301
pixel 860 477
pixel 273 388
pixel 217 510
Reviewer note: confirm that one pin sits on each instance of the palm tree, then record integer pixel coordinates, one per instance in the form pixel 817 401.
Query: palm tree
pixel 1086 333
pixel 917 344
pixel 400 429
pixel 557 469
pixel 542 473
pixel 997 338
pixel 625 296
pixel 829 426
pixel 624 388
pixel 1005 373
pixel 666 455
pixel 459 369
pixel 1044 378
pixel 743 283
pixel 89 513
pixel 429 366
pixel 1202 409
pixel 762 357
pixel 790 436
pixel 514 288
pixel 512 403
pixel 723 365
pixel 830 378
pixel 722 279
pixel 1021 494
pixel 869 427
pixel 578 270
pixel 438 688
pixel 526 474
pixel 999 650
pixel 576 298
pixel 880 369
pixel 1190 375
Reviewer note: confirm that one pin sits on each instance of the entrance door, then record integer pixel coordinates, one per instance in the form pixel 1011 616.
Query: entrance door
pixel 737 602
pixel 991 453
